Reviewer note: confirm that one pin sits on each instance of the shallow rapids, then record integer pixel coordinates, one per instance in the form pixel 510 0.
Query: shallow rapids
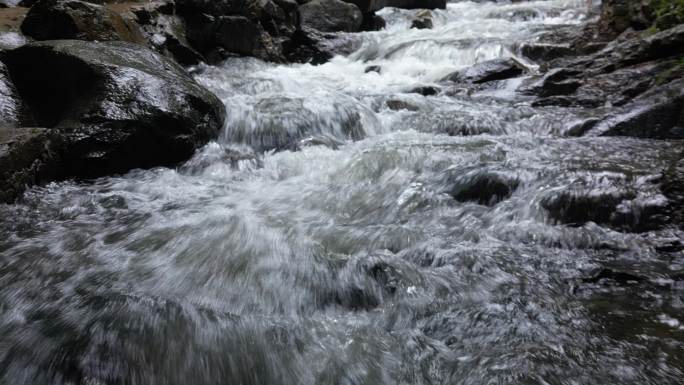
pixel 327 238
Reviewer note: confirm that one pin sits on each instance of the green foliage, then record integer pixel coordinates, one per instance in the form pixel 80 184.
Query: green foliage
pixel 665 7
pixel 668 13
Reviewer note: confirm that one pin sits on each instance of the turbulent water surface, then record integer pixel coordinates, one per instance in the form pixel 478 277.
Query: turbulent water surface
pixel 325 238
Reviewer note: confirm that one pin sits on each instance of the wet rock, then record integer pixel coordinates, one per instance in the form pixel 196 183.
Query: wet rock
pixel 372 22
pixel 424 90
pixel 658 113
pixel 609 276
pixel 236 34
pixel 164 30
pixel 28 156
pixel 397 105
pixel 558 81
pixel 312 46
pixel 116 105
pixel 261 28
pixel 376 69
pixel 484 187
pixel 577 207
pixel 73 19
pixel 330 16
pixel 423 20
pixel 497 69
pixel 544 51
pixel 211 7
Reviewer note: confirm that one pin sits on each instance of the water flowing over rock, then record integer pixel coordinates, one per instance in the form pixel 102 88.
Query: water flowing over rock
pixel 117 105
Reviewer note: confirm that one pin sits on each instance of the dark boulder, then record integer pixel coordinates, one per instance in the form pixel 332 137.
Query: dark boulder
pixel 487 71
pixel 236 34
pixel 577 207
pixel 165 31
pixel 484 187
pixel 28 156
pixel 211 7
pixel 330 16
pixel 73 19
pixel 544 51
pixel 372 22
pixel 116 105
pixel 264 29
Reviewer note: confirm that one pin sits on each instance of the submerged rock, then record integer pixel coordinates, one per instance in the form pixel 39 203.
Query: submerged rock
pixel 281 123
pixel 28 156
pixel 116 105
pixel 497 69
pixel 73 19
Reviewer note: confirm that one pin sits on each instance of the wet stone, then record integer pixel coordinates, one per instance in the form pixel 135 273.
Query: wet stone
pixel 484 188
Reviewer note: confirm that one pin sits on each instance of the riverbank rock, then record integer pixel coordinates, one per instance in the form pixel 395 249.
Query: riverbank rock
pixel 116 105
pixel 330 16
pixel 73 19
pixel 28 156
pixel 487 71
pixel 614 76
pixel 165 31
pixel 658 114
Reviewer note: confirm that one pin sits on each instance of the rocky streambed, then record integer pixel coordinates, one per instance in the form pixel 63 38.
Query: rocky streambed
pixel 328 192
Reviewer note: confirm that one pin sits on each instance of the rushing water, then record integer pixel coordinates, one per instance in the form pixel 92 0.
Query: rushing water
pixel 318 241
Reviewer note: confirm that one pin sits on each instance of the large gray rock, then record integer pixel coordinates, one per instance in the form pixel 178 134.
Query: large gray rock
pixel 28 156
pixel 116 105
pixel 330 16
pixel 73 19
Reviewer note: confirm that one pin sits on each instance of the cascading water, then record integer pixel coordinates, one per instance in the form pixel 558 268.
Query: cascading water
pixel 326 238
